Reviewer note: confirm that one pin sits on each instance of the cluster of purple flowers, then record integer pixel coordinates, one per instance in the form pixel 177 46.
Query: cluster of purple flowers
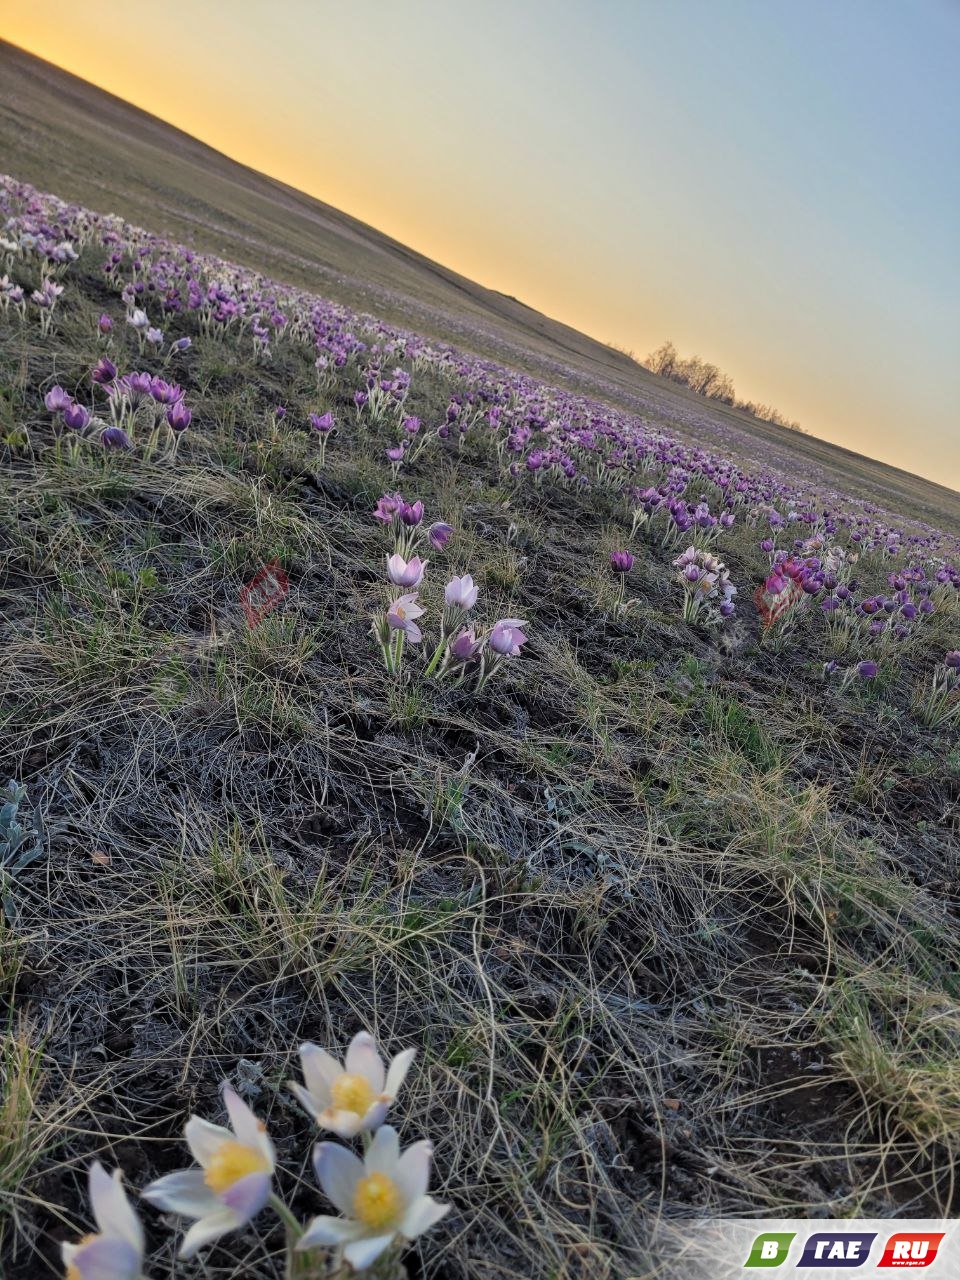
pixel 459 653
pixel 679 490
pixel 133 396
pixel 707 587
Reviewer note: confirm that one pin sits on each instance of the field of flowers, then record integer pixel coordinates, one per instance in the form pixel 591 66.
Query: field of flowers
pixel 366 699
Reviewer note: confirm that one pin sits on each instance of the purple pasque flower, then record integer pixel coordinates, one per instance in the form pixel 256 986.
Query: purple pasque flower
pixel 322 422
pixel 103 371
pixel 411 425
pixel 402 616
pixel 867 670
pixel 439 534
pixel 179 416
pixel 279 413
pixel 56 399
pixel 466 646
pixel 952 660
pixel 115 438
pixel 461 593
pixel 395 454
pixel 388 507
pixel 406 573
pixel 621 561
pixel 76 417
pixel 411 514
pixel 507 638
pixel 105 324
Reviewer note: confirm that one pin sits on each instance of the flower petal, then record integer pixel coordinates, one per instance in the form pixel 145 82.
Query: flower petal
pixel 398 1072
pixel 106 1258
pixel 384 1152
pixel 249 1128
pixel 306 1100
pixel 375 1115
pixel 204 1139
pixel 113 1211
pixel 338 1172
pixel 363 1253
pixel 329 1230
pixel 319 1072
pixel 247 1196
pixel 184 1192
pixel 413 1171
pixel 345 1124
pixel 422 1215
pixel 208 1229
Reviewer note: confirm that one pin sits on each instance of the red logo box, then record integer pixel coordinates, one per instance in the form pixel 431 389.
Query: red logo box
pixel 771 607
pixel 263 592
pixel 911 1249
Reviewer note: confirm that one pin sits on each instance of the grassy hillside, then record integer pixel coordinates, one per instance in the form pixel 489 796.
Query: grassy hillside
pixel 663 897
pixel 109 155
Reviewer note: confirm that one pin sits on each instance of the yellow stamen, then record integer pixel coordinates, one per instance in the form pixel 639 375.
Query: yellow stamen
pixel 352 1093
pixel 376 1201
pixel 231 1162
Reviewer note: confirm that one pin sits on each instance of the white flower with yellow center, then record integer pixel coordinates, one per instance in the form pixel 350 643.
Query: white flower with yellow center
pixel 233 1182
pixel 115 1252
pixel 355 1097
pixel 381 1197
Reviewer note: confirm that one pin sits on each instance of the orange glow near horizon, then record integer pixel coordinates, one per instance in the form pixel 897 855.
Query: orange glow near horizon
pixel 596 165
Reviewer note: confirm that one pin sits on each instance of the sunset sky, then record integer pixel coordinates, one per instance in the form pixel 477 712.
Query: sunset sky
pixel 771 184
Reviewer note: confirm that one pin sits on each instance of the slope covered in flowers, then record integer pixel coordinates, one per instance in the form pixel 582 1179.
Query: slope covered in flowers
pixel 364 684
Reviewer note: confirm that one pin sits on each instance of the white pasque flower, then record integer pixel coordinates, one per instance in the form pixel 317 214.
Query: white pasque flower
pixel 115 1252
pixel 356 1096
pixel 233 1182
pixel 382 1196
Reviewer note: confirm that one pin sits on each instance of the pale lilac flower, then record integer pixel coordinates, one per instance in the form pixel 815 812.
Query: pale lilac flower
pixel 56 400
pixel 506 638
pixel 233 1182
pixel 353 1097
pixel 402 615
pixel 461 593
pixel 388 506
pixel 115 1251
pixel 381 1197
pixel 406 573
